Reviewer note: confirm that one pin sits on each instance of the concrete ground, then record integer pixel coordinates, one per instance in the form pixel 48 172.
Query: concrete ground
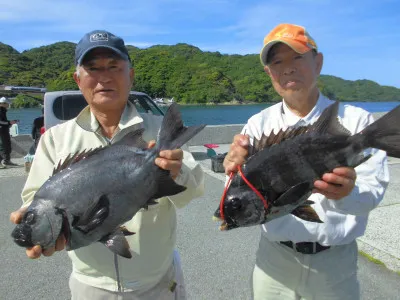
pixel 217 265
pixel 381 239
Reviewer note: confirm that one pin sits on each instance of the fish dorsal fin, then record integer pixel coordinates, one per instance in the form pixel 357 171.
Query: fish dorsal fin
pixel 328 122
pixel 268 140
pixel 74 158
pixel 133 139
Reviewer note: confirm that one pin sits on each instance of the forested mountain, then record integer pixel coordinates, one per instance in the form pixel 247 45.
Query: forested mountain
pixel 181 71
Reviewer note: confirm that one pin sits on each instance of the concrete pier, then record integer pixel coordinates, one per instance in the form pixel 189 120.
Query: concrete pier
pixel 216 265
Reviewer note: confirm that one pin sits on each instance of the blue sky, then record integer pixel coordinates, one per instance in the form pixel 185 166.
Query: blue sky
pixel 359 39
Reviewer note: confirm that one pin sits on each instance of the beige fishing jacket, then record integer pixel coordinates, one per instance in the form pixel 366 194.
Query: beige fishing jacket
pixel 153 244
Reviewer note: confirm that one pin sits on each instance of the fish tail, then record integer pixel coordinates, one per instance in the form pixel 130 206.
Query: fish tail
pixel 173 134
pixel 384 134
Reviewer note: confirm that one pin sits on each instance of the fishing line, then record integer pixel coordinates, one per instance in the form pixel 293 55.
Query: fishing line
pixel 117 272
pixel 221 204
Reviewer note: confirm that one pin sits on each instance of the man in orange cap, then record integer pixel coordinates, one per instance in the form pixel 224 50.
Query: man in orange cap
pixel 299 259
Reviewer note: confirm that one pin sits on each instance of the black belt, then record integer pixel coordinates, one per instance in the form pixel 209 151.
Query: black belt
pixel 306 247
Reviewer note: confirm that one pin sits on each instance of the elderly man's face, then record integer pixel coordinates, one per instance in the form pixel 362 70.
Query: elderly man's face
pixel 105 79
pixel 293 74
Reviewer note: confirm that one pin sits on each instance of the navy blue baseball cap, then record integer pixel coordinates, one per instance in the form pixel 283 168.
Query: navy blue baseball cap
pixel 100 39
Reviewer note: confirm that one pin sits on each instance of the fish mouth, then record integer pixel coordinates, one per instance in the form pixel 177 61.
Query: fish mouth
pixel 22 235
pixel 65 228
pixel 224 226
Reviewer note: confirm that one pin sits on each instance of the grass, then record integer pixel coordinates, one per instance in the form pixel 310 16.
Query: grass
pixel 372 259
pixel 375 261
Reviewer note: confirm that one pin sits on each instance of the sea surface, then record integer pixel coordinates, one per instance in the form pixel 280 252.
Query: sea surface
pixel 199 114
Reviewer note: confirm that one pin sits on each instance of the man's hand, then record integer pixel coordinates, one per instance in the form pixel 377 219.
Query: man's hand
pixel 237 153
pixel 337 184
pixel 37 251
pixel 170 160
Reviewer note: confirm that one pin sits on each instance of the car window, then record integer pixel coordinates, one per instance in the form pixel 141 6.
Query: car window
pixel 68 106
pixel 144 104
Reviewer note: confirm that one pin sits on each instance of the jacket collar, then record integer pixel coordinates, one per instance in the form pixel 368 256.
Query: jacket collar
pixel 87 121
pixel 293 119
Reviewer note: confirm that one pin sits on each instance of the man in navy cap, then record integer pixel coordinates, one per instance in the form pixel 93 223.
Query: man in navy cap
pixel 104 75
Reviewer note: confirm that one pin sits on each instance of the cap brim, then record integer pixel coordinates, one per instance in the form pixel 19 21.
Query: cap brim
pixel 296 46
pixel 123 55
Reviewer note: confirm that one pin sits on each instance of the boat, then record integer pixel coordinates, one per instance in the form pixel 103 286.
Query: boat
pixel 164 101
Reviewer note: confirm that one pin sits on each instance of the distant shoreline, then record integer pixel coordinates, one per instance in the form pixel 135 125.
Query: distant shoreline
pixel 236 103
pixel 259 103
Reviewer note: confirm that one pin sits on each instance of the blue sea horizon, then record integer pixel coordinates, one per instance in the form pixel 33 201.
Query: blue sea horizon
pixel 201 114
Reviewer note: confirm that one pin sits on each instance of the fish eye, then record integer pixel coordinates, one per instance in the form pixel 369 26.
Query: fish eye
pixel 30 218
pixel 236 203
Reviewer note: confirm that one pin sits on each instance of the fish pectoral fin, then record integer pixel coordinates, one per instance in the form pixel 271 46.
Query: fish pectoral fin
pixel 117 243
pixel 292 195
pixel 167 186
pixel 359 160
pixel 93 216
pixel 307 213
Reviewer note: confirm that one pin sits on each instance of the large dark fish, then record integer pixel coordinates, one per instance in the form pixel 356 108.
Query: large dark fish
pixel 93 193
pixel 283 167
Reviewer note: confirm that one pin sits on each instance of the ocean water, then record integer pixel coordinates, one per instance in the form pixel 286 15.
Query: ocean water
pixel 199 114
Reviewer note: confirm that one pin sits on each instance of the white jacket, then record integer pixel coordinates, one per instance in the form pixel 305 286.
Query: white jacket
pixel 346 219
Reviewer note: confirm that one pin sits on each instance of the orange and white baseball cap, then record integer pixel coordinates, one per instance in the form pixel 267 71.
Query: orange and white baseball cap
pixel 295 36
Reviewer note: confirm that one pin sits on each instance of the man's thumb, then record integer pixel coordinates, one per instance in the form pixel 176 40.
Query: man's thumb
pixel 16 216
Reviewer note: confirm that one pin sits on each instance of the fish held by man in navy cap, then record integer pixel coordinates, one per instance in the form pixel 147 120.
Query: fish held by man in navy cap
pixel 88 209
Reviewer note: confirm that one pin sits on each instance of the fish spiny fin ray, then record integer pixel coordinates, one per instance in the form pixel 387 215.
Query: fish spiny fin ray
pixel 74 158
pixel 268 140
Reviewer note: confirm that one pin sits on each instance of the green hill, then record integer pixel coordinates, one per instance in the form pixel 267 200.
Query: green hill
pixel 181 71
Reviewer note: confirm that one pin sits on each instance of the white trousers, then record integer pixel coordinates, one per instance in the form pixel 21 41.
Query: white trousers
pixel 161 291
pixel 283 274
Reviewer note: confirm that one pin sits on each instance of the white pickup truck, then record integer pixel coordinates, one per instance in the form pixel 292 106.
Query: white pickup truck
pixel 62 106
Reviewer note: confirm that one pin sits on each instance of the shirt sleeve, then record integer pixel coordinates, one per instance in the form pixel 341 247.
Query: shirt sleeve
pixel 371 183
pixel 5 123
pixel 192 177
pixel 41 168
